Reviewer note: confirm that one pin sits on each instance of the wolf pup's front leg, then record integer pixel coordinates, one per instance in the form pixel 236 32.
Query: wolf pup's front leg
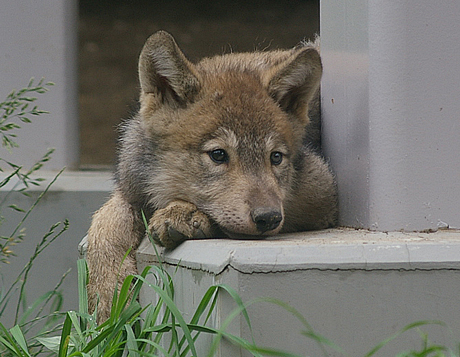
pixel 179 221
pixel 115 229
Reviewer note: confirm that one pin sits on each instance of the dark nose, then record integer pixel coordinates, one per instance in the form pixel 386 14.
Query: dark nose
pixel 266 218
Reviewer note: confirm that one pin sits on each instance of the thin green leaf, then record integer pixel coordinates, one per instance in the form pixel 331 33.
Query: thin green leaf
pixel 38 302
pixel 399 333
pixel 16 208
pixel 65 337
pixel 82 271
pixel 18 336
pixel 51 343
pixel 131 342
pixel 10 345
pixel 175 312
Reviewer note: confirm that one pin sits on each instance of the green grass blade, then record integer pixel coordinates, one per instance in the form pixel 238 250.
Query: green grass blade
pixel 9 344
pixel 207 298
pixel 76 323
pixel 232 292
pixel 16 333
pixel 51 343
pixel 49 238
pixel 10 341
pixel 208 302
pixel 137 286
pixel 258 350
pixel 131 342
pixel 399 333
pixel 99 340
pixel 321 340
pixel 164 280
pixel 202 328
pixel 115 329
pixel 175 312
pixel 155 346
pixel 159 328
pixel 149 235
pixel 65 337
pixel 123 296
pixel 35 305
pixel 82 270
pixel 150 322
pixel 240 309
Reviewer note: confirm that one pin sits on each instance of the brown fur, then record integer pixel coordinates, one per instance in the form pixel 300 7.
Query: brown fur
pixel 217 150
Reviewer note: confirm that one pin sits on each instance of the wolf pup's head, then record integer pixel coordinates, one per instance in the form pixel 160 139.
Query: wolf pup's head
pixel 226 131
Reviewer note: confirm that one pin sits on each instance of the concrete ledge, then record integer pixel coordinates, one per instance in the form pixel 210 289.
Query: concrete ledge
pixel 354 287
pixel 329 249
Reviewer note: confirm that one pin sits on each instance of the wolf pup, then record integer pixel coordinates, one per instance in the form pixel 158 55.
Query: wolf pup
pixel 217 149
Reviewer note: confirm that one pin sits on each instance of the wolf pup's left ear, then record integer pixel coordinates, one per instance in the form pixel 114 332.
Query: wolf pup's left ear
pixel 295 82
pixel 165 71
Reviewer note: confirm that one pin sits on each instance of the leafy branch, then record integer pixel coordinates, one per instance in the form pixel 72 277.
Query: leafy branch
pixel 17 108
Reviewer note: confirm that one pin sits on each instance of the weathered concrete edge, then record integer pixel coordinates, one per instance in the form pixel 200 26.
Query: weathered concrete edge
pixel 336 249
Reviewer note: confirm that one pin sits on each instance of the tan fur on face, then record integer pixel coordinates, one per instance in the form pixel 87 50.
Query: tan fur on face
pixel 253 107
pixel 232 121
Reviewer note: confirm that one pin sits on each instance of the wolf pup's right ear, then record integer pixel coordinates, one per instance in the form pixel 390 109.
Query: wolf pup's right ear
pixel 294 82
pixel 165 71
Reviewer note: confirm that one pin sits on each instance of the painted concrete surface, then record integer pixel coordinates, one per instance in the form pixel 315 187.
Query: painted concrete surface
pixel 390 111
pixel 39 39
pixel 329 249
pixel 355 287
pixel 75 196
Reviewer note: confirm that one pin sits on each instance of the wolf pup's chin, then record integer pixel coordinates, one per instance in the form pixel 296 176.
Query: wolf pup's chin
pixel 237 133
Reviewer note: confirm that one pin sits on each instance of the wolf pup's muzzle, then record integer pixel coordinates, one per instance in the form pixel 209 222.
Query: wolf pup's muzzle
pixel 266 218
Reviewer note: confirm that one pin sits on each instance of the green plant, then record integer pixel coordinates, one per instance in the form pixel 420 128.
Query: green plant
pixel 127 330
pixel 34 319
pixel 139 331
pixel 17 106
pixel 135 331
pixel 427 349
pixel 16 109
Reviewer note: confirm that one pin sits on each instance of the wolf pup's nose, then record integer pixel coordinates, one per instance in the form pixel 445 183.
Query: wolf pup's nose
pixel 266 218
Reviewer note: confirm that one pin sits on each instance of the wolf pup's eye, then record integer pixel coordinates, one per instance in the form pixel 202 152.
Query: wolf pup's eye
pixel 219 156
pixel 276 157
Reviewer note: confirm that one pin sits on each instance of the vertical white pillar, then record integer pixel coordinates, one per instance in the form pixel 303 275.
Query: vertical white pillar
pixel 39 39
pixel 391 104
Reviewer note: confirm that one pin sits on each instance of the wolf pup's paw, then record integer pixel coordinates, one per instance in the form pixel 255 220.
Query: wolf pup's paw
pixel 177 222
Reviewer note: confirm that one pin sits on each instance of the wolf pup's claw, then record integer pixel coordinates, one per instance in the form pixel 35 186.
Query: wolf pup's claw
pixel 177 222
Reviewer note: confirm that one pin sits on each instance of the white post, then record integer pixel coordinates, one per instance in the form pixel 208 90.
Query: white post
pixel 391 111
pixel 39 39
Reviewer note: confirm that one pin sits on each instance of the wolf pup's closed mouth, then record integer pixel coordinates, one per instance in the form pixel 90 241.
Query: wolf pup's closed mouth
pixel 225 147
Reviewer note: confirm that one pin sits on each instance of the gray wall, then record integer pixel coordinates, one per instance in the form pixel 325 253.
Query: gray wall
pixel 39 39
pixel 74 196
pixel 390 111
